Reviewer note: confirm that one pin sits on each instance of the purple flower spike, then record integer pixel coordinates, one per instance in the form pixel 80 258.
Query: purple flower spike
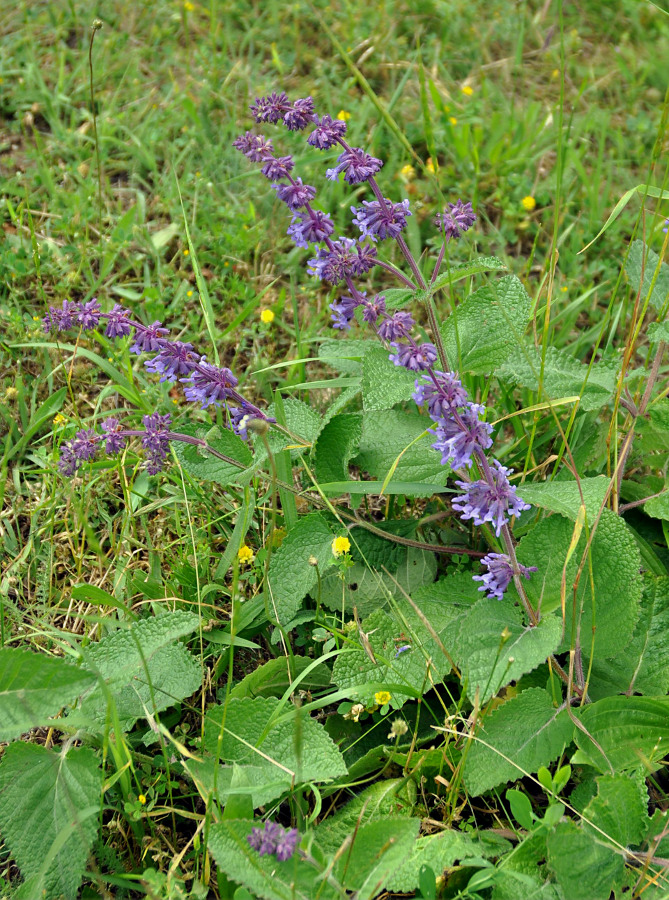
pixel 397 326
pixel 287 844
pixel 494 503
pixel 374 308
pixel 299 115
pixel 270 109
pixel 174 358
pixel 156 441
pixel 270 838
pixel 255 838
pixel 208 384
pixel 88 314
pixel 327 132
pixel 295 194
pixel 254 146
pixel 310 227
pixel 412 357
pixel 148 338
pixel 347 258
pixel 457 437
pixel 60 319
pixel 277 167
pixel 273 839
pixel 114 442
pixel 342 311
pixel 444 397
pixel 83 446
pixel 378 220
pixel 499 574
pixel 240 416
pixel 118 323
pixel 457 219
pixel 356 164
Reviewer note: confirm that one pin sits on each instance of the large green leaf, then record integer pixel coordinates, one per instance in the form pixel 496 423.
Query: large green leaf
pixel 49 805
pixel 272 679
pixel 34 687
pixel 458 271
pixel 377 850
pixel 615 560
pixel 291 572
pixel 336 444
pixel 619 811
pixel 524 733
pixel 484 330
pixel 206 467
pixel 565 497
pixel 488 660
pixel 438 851
pixel 584 868
pixel 642 261
pixel 630 733
pixel 564 376
pixel 383 383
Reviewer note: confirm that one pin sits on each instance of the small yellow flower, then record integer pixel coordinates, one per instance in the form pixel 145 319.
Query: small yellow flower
pixel 35 318
pixel 142 799
pixel 408 172
pixel 340 545
pixel 429 165
pixel 245 555
pixel 197 174
pixel 382 697
pixel 189 293
pixel 452 120
pixel 59 419
pixel 267 316
pixel 467 90
pixel 528 203
pixel 188 6
pixel 555 73
pixel 186 252
pixel 343 115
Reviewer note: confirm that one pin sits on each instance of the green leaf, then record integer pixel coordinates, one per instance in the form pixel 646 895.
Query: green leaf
pixel 658 507
pixel 659 331
pixel 34 687
pixel 265 876
pixel 291 575
pixel 486 660
pixel 232 784
pixel 336 444
pixel 377 850
pixel 632 733
pixel 49 806
pixel 274 677
pixel 383 383
pixel 206 467
pixel 345 354
pixel 584 868
pixel 394 796
pixel 564 497
pixel 643 666
pixel 641 260
pixel 564 376
pixel 524 733
pixel 483 331
pixel 396 298
pixel 521 808
pixel 439 852
pixel 510 885
pixel 653 432
pixel 458 271
pixel 620 810
pixel 615 564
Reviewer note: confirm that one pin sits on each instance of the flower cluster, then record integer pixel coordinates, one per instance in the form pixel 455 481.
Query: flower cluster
pixel 500 572
pixel 273 840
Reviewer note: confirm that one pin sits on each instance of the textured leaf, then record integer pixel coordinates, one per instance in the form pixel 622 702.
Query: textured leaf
pixel 653 432
pixel 617 583
pixel 659 331
pixel 265 876
pixel 291 575
pixel 524 733
pixel 564 376
pixel 368 589
pixel 34 687
pixel 378 849
pixel 564 497
pixel 204 466
pixel 486 662
pixel 46 797
pixel 335 446
pixel 293 749
pixel 620 810
pixel 345 354
pixel 389 434
pixel 272 678
pixel 383 383
pixel 458 271
pixel 439 851
pixel 642 259
pixel 392 797
pixel 643 666
pixel 260 783
pixel 483 331
pixel 632 732
pixel 584 869
pixel 658 507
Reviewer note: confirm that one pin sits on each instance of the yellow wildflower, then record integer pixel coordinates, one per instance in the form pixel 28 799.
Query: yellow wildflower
pixel 59 419
pixel 467 90
pixel 186 252
pixel 343 115
pixel 189 293
pixel 142 799
pixel 340 545
pixel 429 165
pixel 267 316
pixel 188 6
pixel 382 697
pixel 408 172
pixel 245 555
pixel 555 73
pixel 452 120
pixel 528 203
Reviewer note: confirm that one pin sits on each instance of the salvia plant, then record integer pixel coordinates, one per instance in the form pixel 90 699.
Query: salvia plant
pixel 505 615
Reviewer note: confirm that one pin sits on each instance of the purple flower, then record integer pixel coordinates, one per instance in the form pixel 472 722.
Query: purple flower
pixel 491 502
pixel 343 309
pixel 277 167
pixel 381 220
pixel 254 146
pixel 295 194
pixel 287 844
pixel 457 219
pixel 83 446
pixel 208 384
pixel 374 308
pixel 312 226
pixel 270 109
pixel 255 838
pixel 273 839
pixel 356 164
pixel 300 114
pixel 444 394
pixel 114 442
pixel 174 358
pixel 148 338
pixel 327 132
pixel 458 436
pixel 346 258
pixel 499 574
pixel 666 226
pixel 397 326
pixel 240 416
pixel 60 319
pixel 413 357
pixel 88 314
pixel 118 324
pixel 402 649
pixel 156 441
pixel 270 838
